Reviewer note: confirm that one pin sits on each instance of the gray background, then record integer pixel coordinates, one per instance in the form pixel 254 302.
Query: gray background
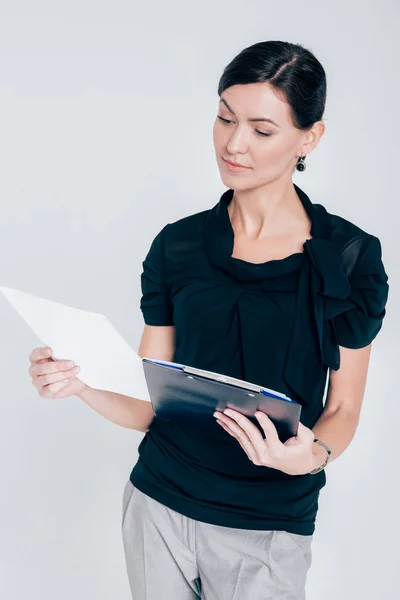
pixel 106 135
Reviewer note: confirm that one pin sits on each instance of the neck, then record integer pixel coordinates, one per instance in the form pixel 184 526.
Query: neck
pixel 272 209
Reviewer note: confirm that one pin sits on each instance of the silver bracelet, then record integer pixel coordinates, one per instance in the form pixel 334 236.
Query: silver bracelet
pixel 327 460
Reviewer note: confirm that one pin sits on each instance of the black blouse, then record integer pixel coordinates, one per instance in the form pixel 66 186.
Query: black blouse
pixel 278 324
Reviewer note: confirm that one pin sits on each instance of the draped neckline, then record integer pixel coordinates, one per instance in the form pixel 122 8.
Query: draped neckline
pixel 322 288
pixel 219 243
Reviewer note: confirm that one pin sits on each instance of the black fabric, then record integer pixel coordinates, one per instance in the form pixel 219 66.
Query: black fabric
pixel 278 324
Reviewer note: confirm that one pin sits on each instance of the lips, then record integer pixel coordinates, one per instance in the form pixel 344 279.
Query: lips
pixel 235 164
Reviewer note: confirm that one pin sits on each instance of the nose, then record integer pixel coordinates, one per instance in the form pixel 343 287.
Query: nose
pixel 237 142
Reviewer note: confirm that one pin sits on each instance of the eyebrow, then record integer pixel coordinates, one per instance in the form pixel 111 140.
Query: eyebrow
pixel 265 119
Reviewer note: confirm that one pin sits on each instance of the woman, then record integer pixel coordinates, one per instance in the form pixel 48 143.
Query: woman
pixel 268 287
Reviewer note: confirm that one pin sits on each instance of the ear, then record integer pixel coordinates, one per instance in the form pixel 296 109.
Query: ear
pixel 313 137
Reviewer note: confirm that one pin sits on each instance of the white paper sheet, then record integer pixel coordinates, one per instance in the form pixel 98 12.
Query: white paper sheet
pixel 106 360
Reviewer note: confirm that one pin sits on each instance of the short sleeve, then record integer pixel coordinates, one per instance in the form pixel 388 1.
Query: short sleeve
pixel 358 326
pixel 155 302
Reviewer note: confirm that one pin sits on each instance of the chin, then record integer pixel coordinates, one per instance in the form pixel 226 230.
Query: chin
pixel 233 182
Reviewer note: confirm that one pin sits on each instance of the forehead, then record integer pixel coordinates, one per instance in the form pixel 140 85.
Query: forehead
pixel 257 100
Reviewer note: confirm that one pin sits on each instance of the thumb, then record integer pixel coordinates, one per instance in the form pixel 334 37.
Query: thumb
pixel 304 433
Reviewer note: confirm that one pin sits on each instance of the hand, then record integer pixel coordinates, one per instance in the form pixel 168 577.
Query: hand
pixel 53 378
pixel 294 457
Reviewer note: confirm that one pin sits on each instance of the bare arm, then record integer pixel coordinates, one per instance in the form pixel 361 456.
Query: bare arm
pixel 339 420
pixel 156 342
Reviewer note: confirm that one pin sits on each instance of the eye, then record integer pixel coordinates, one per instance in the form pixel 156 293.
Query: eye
pixel 227 121
pixel 224 120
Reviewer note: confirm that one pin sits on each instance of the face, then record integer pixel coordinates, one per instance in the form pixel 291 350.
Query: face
pixel 268 150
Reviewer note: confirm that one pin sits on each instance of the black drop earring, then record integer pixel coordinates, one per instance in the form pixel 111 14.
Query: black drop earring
pixel 301 165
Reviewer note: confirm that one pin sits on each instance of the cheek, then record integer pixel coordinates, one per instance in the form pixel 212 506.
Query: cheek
pixel 272 152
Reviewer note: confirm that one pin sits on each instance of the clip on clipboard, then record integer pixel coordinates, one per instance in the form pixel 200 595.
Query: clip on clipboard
pixel 189 395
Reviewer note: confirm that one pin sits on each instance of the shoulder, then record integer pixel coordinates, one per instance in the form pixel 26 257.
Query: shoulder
pixel 356 245
pixel 182 240
pixel 342 229
pixel 178 244
pixel 358 317
pixel 182 229
pixel 186 227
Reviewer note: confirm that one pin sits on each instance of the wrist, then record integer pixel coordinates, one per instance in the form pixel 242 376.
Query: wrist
pixel 319 455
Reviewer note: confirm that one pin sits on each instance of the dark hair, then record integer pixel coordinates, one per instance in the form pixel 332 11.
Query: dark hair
pixel 290 69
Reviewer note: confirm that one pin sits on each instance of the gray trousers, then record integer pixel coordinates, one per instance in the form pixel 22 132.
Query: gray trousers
pixel 172 557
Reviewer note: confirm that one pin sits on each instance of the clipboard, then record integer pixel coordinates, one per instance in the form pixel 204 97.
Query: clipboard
pixel 190 396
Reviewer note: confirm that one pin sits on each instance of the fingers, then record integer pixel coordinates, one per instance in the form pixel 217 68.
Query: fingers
pixel 244 423
pixel 50 390
pixel 49 378
pixel 246 443
pixel 40 353
pixel 270 447
pixel 268 427
pixel 46 368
